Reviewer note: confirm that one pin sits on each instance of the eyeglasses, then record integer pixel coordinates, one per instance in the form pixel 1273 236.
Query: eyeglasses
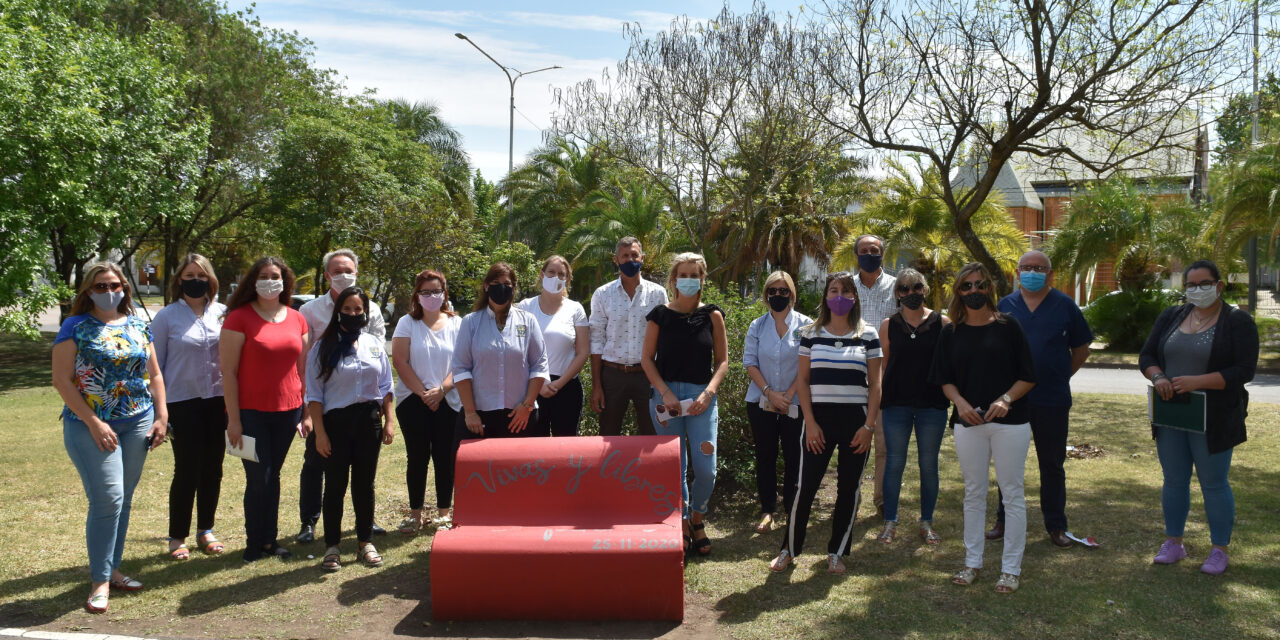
pixel 969 285
pixel 430 292
pixel 103 287
pixel 1207 285
pixel 778 291
pixel 1038 268
pixel 917 287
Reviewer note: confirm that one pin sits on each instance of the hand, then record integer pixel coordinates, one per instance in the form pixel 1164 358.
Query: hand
pixel 813 440
pixel 103 435
pixel 157 431
pixel 780 402
pixel 701 403
pixel 597 398
pixel 519 418
pixel 304 427
pixel 672 403
pixel 861 442
pixel 998 409
pixel 323 446
pixel 966 412
pixel 388 431
pixel 474 425
pixel 1185 384
pixel 550 389
pixel 234 431
pixel 1164 387
pixel 432 397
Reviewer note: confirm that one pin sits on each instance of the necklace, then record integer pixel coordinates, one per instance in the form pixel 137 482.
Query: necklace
pixel 1198 322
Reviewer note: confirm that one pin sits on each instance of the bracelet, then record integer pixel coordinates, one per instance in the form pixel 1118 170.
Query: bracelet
pixel 765 389
pixel 1158 377
pixel 867 427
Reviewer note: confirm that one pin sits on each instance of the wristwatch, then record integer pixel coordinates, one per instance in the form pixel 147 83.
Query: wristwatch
pixel 1006 398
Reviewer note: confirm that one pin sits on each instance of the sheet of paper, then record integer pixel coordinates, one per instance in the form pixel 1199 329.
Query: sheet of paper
pixel 248 448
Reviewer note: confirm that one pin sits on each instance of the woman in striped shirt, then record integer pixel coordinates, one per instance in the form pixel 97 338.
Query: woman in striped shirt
pixel 839 385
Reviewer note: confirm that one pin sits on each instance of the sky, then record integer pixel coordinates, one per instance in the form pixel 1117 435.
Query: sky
pixel 407 49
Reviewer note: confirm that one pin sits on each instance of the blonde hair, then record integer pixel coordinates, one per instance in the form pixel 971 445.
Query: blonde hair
pixel 776 276
pixel 568 272
pixel 175 282
pixel 82 303
pixel 685 258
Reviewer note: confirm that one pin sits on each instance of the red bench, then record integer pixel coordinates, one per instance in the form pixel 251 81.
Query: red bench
pixel 562 529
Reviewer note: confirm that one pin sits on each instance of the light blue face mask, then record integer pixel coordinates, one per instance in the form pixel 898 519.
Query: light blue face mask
pixel 1032 281
pixel 688 286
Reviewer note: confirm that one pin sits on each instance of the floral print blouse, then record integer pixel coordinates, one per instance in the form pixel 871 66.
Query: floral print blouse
pixel 111 365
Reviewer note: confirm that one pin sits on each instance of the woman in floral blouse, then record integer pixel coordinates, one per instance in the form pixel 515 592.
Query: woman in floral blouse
pixel 106 371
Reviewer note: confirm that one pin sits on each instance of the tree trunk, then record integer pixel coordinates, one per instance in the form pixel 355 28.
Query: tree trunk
pixel 964 229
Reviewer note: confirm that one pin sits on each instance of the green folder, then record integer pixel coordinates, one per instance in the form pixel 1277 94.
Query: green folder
pixel 1186 411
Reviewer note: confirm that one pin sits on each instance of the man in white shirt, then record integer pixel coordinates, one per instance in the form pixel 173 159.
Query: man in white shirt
pixel 340 270
pixel 875 295
pixel 618 324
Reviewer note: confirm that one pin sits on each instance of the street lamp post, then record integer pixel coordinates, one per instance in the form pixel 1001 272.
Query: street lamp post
pixel 511 130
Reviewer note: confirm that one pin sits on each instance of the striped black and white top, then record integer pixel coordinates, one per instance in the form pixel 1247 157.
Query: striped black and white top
pixel 838 364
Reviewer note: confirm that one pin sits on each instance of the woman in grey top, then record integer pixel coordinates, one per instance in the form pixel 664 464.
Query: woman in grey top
pixel 1209 346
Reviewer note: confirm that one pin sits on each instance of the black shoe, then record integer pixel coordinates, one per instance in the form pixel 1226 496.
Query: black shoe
pixel 308 534
pixel 379 531
pixel 277 551
pixel 996 532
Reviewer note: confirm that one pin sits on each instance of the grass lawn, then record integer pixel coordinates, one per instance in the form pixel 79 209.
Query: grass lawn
pixel 901 591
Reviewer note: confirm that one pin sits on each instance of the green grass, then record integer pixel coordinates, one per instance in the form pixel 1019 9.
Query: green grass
pixel 900 591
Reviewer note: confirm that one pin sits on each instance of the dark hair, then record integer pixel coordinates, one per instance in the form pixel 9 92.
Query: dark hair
pixel 423 277
pixel 956 309
pixel 824 312
pixel 329 339
pixel 247 290
pixel 1202 264
pixel 496 271
pixel 82 303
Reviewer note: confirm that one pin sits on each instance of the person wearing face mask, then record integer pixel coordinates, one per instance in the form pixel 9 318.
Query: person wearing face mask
pixel 875 297
pixel 106 372
pixel 499 362
pixel 771 355
pixel 341 267
pixel 1059 337
pixel 839 391
pixel 618 312
pixel 568 335
pixel 984 365
pixel 186 340
pixel 1210 346
pixel 350 401
pixel 909 402
pixel 686 357
pixel 263 353
pixel 428 404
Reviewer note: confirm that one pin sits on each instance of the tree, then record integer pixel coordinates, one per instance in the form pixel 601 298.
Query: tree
pixel 1118 221
pixel 913 219
pixel 422 121
pixel 591 243
pixel 974 82
pixel 1235 122
pixel 556 188
pixel 1247 201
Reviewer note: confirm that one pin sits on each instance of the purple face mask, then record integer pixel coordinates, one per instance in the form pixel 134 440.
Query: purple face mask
pixel 840 305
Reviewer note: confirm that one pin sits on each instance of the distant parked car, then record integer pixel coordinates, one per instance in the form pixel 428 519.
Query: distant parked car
pixel 299 299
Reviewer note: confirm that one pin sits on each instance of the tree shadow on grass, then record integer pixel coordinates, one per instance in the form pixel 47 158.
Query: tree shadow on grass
pixel 24 363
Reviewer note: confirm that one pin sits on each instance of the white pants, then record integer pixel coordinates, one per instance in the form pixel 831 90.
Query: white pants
pixel 976 447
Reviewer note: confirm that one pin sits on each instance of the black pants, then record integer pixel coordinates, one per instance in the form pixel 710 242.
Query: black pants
pixel 311 483
pixel 621 389
pixel 560 414
pixel 428 436
pixel 839 423
pixel 769 429
pixel 355 435
pixel 197 429
pixel 1049 432
pixel 496 425
pixel 273 431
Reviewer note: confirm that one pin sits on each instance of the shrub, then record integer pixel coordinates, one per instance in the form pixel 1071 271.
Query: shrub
pixel 1124 318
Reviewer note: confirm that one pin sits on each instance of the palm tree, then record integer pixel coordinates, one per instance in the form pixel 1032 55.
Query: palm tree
pixel 1116 221
pixel 422 122
pixel 557 188
pixel 909 213
pixel 1248 201
pixel 592 242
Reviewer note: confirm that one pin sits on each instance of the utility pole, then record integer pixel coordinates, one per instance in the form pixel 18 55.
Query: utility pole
pixel 1253 140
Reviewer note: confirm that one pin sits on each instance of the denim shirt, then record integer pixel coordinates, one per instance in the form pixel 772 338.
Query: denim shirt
pixel 499 364
pixel 187 350
pixel 364 376
pixel 777 358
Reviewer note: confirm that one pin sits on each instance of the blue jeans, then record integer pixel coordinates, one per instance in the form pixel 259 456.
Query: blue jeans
pixel 1178 451
pixel 930 426
pixel 109 479
pixel 697 439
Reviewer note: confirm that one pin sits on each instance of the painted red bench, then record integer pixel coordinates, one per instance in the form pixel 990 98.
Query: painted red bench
pixel 562 529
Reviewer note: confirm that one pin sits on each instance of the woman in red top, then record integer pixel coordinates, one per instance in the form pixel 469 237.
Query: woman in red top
pixel 263 350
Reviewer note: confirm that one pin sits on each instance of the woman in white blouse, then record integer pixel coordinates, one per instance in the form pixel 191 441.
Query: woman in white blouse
pixel 428 404
pixel 568 337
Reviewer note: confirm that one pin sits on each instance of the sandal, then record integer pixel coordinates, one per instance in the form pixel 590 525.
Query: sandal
pixel 965 576
pixel 930 536
pixel 332 559
pixel 834 565
pixel 410 527
pixel 96 603
pixel 126 584
pixel 369 555
pixel 211 545
pixel 766 524
pixel 703 544
pixel 1008 583
pixel 782 562
pixel 888 533
pixel 180 552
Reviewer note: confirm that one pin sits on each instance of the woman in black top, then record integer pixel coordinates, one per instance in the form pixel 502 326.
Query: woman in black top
pixel 983 363
pixel 685 357
pixel 908 340
pixel 1209 346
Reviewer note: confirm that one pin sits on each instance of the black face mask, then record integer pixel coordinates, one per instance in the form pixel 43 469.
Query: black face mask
pixel 974 300
pixel 912 301
pixel 195 288
pixel 352 323
pixel 779 303
pixel 499 293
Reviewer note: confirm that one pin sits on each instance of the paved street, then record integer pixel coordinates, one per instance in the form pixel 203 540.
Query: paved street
pixel 1264 388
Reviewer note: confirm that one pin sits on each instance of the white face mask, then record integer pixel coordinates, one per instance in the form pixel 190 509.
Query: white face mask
pixel 1202 299
pixel 552 284
pixel 269 289
pixel 342 281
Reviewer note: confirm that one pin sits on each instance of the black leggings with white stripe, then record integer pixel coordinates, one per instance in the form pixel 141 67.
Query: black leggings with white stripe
pixel 839 423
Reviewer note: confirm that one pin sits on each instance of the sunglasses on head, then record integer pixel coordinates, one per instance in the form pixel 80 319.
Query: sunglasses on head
pixel 777 291
pixel 917 287
pixel 970 285
pixel 103 287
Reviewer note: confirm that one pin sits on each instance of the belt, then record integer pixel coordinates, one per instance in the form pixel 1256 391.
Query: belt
pixel 625 368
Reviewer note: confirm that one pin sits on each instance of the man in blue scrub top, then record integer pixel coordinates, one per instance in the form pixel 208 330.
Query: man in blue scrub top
pixel 1059 339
